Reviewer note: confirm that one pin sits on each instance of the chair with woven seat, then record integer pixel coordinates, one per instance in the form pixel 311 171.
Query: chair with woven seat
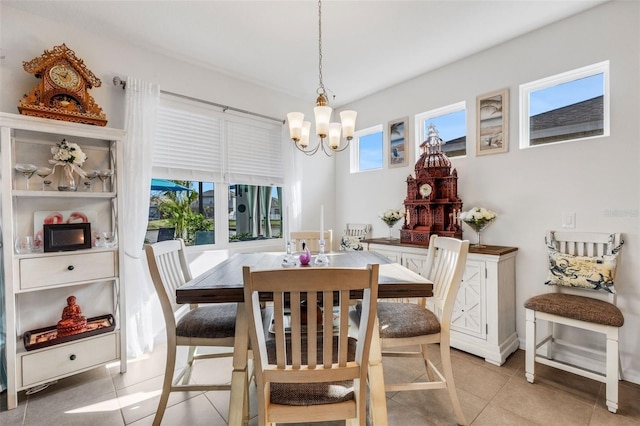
pixel 311 370
pixel 311 239
pixel 582 268
pixel 192 326
pixel 427 321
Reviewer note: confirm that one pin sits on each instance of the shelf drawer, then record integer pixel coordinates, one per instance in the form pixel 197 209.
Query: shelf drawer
pixel 60 361
pixel 54 270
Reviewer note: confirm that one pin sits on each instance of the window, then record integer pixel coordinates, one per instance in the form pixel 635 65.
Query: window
pixel 451 124
pixel 181 209
pixel 254 212
pixel 366 150
pixel 566 107
pixel 209 152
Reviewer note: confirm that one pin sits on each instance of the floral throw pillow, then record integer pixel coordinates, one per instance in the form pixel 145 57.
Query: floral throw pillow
pixel 350 243
pixel 595 273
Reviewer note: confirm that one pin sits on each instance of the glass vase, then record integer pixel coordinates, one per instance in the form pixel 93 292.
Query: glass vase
pixel 67 179
pixel 391 225
pixel 478 227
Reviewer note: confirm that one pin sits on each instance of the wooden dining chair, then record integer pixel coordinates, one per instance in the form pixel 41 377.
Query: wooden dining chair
pixel 191 326
pixel 312 238
pixel 410 324
pixel 581 275
pixel 311 368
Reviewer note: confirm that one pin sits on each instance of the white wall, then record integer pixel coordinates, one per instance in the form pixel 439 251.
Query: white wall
pixel 529 189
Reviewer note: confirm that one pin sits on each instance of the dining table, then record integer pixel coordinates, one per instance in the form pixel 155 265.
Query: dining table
pixel 223 283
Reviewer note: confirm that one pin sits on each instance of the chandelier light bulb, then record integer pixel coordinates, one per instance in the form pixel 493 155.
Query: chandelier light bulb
pixel 348 119
pixel 304 134
pixel 334 135
pixel 295 125
pixel 323 116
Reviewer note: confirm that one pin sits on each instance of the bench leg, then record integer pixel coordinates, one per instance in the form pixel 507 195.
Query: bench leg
pixel 612 369
pixel 530 345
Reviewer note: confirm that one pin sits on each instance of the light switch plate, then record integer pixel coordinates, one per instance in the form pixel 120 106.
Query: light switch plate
pixel 569 220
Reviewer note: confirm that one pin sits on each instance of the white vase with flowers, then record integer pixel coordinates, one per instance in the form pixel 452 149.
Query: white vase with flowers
pixel 478 218
pixel 70 157
pixel 391 217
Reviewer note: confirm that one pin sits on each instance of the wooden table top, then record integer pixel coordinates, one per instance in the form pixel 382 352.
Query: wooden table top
pixel 224 284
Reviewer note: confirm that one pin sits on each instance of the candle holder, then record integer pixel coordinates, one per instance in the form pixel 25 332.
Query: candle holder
pixel 321 259
pixel 289 259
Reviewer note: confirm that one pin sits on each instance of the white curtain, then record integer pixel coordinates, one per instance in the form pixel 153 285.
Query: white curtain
pixel 141 108
pixel 292 202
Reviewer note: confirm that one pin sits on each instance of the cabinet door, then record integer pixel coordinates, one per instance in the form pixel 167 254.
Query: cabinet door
pixel 394 256
pixel 469 311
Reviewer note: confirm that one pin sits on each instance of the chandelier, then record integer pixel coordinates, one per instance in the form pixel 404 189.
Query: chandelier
pixel 329 133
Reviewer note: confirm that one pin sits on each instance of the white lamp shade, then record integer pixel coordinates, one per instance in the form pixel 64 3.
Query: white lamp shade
pixel 295 125
pixel 323 116
pixel 334 135
pixel 348 119
pixel 304 134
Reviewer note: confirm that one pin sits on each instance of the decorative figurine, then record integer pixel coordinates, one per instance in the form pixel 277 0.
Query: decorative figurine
pixel 72 321
pixel 305 257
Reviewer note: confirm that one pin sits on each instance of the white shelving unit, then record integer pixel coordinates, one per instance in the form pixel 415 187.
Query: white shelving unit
pixel 484 317
pixel 36 285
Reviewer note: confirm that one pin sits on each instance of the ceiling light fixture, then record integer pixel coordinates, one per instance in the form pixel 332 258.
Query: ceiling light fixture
pixel 299 129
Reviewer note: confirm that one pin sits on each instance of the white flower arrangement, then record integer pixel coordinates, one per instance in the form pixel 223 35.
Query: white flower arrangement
pixel 391 216
pixel 478 217
pixel 68 154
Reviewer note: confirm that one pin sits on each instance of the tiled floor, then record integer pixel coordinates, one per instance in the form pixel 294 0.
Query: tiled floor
pixel 489 395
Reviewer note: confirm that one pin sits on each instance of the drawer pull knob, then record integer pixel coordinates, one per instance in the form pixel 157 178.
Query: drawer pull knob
pixel 72 357
pixel 70 267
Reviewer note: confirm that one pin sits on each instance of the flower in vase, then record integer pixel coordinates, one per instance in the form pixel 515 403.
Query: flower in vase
pixel 478 218
pixel 391 216
pixel 68 152
pixel 69 156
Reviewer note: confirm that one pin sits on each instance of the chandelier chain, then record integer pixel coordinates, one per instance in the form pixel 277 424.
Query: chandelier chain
pixel 321 89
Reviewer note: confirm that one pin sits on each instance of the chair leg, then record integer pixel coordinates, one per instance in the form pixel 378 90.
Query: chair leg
pixel 425 356
pixel 166 384
pixel 530 345
pixel 187 375
pixel 445 354
pixel 612 369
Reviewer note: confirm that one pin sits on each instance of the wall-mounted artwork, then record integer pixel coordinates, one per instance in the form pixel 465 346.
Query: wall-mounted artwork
pixel 398 142
pixel 492 127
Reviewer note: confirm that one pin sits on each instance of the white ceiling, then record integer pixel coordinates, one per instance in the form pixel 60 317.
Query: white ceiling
pixel 367 45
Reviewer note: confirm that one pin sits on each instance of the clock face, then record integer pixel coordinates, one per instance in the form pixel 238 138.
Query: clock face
pixel 425 190
pixel 64 76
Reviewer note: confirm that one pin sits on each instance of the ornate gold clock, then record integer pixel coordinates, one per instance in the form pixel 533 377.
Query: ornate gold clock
pixel 63 91
pixel 432 205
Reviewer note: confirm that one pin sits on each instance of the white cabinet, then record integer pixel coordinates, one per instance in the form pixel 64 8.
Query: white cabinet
pixel 484 316
pixel 36 284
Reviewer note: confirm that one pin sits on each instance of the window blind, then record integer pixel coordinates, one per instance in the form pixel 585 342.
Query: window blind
pixel 254 153
pixel 195 141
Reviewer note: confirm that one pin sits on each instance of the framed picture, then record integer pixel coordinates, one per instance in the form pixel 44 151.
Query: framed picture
pixel 492 125
pixel 398 142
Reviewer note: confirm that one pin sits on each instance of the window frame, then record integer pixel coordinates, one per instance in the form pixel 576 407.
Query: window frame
pixel 422 118
pixel 566 77
pixel 355 148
